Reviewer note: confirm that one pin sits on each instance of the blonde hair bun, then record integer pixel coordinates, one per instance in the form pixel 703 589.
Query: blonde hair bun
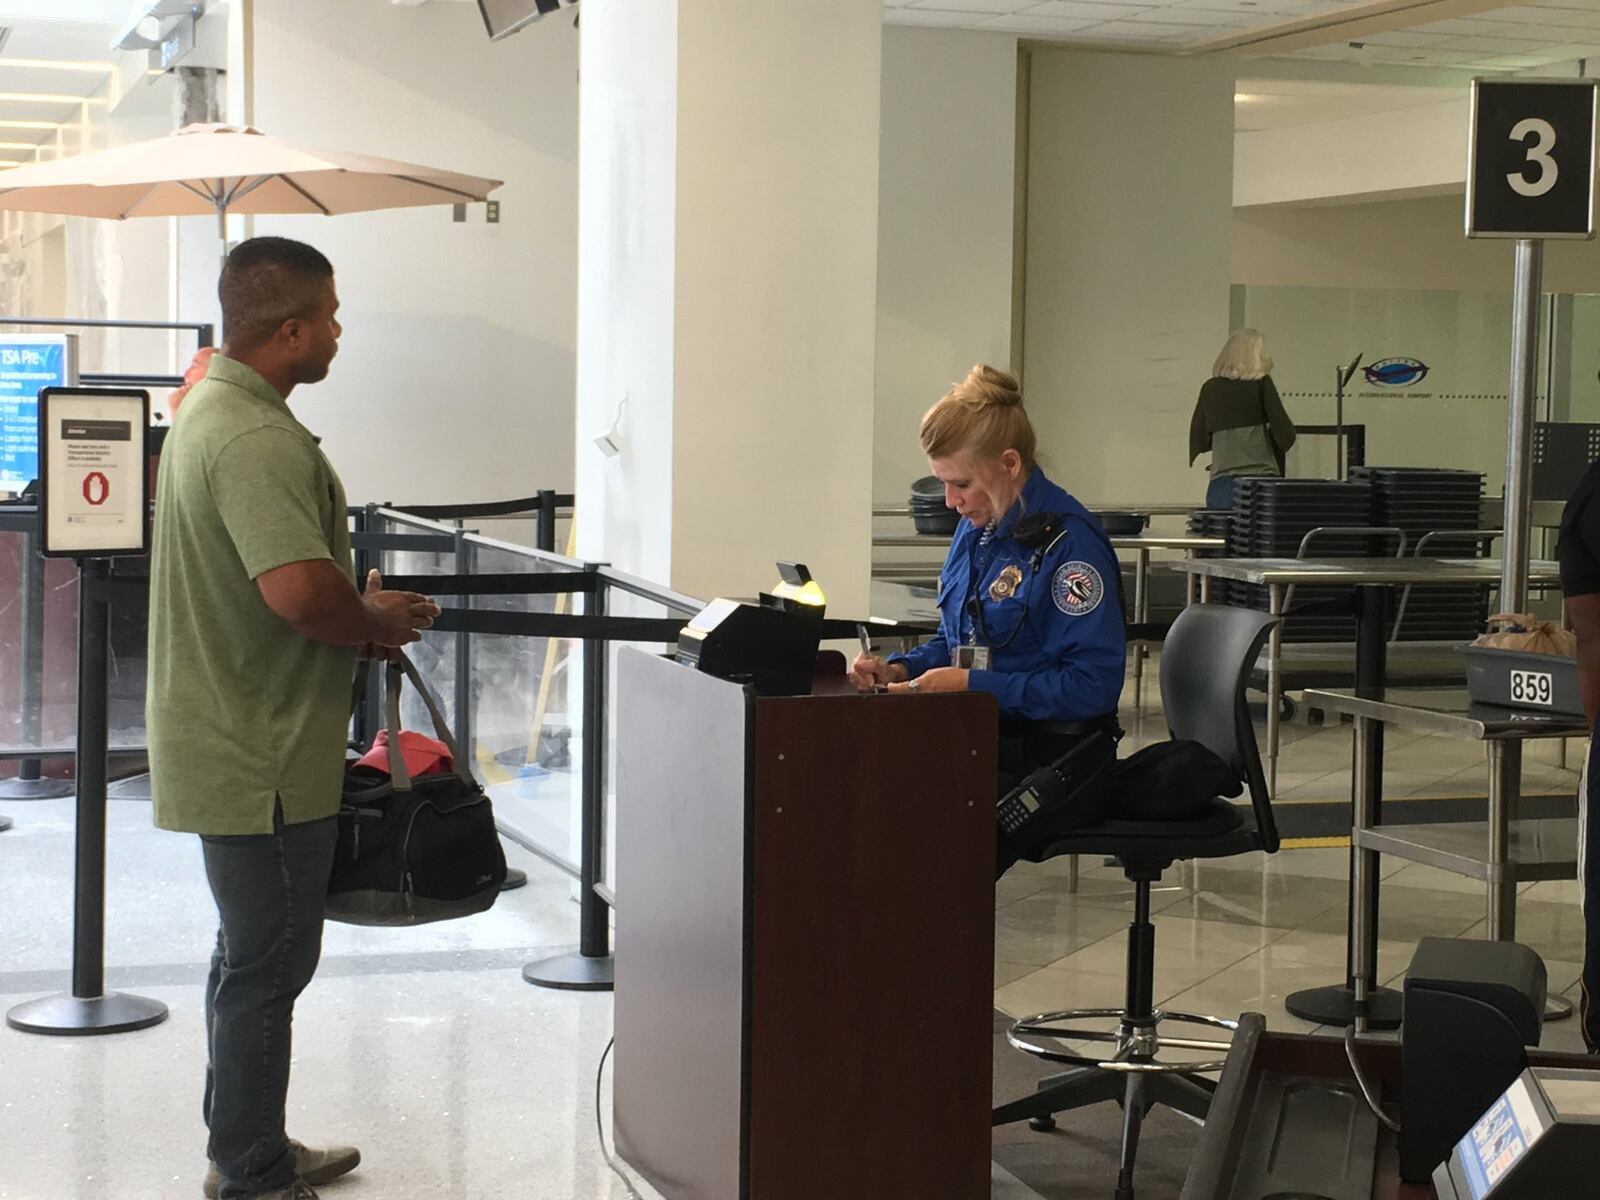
pixel 989 385
pixel 981 415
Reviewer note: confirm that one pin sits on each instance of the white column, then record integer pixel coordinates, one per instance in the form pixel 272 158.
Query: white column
pixel 727 282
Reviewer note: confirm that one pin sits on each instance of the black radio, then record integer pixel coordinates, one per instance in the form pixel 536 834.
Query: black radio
pixel 1077 782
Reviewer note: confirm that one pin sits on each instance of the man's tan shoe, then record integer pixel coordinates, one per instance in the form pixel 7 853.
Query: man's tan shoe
pixel 316 1166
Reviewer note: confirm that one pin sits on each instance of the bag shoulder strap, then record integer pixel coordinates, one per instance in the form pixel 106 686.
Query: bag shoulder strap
pixel 396 675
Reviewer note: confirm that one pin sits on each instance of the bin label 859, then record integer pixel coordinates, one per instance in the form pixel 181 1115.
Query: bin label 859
pixel 1532 687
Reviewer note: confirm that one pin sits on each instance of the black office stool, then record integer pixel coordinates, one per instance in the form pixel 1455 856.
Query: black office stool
pixel 1205 664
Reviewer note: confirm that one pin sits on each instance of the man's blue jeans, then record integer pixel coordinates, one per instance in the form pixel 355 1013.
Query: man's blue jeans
pixel 271 891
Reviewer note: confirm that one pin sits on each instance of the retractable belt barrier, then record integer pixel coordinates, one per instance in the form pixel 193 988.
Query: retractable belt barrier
pixel 499 508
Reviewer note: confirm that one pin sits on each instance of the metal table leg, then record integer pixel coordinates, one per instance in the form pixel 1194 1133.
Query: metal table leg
pixel 1274 686
pixel 1360 1000
pixel 1205 589
pixel 1141 614
pixel 1505 780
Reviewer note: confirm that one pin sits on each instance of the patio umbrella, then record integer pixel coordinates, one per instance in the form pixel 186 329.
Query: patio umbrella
pixel 222 169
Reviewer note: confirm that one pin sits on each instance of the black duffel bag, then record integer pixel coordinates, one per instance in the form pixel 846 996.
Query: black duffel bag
pixel 413 850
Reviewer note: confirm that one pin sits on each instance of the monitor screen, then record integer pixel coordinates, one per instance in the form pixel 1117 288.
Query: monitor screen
pixel 28 363
pixel 502 18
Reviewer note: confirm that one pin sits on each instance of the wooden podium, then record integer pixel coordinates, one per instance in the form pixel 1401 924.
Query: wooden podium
pixel 805 939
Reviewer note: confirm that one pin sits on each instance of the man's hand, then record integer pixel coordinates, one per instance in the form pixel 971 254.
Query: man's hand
pixel 399 616
pixel 869 673
pixel 940 679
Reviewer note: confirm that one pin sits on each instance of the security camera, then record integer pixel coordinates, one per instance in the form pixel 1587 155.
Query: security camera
pixel 151 21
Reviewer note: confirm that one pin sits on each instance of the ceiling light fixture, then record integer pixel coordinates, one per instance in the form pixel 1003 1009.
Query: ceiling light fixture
pixel 30 124
pixel 58 64
pixel 43 98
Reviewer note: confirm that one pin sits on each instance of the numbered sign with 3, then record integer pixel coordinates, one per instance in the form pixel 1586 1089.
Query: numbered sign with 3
pixel 1531 163
pixel 1533 687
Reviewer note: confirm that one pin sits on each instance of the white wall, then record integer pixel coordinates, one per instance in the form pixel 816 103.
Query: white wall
pixel 1409 150
pixel 945 226
pixel 776 283
pixel 1129 224
pixel 455 374
pixel 1393 243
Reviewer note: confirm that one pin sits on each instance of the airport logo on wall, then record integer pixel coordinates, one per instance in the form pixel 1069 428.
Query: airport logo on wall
pixel 1396 372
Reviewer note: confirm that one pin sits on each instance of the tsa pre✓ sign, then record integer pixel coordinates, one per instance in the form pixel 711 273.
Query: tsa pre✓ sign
pixel 95 485
pixel 28 364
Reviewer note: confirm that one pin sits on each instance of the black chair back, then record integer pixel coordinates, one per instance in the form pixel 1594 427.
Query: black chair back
pixel 1206 662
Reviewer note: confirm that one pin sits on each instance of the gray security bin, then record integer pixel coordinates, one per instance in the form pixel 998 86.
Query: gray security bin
pixel 1517 679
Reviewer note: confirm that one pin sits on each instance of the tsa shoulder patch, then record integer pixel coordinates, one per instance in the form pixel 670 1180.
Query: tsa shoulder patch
pixel 1077 588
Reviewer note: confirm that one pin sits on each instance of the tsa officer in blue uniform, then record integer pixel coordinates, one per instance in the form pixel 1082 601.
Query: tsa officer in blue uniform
pixel 1030 606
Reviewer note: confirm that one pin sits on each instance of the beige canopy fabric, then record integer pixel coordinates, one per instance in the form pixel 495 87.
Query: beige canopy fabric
pixel 219 169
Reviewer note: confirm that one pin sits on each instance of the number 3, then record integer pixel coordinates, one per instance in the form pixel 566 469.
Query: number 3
pixel 1538 153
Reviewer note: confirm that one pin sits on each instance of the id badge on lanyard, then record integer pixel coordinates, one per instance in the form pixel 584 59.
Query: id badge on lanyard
pixel 973 657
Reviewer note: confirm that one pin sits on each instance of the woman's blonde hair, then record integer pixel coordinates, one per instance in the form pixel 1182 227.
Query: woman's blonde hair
pixel 1244 356
pixel 983 416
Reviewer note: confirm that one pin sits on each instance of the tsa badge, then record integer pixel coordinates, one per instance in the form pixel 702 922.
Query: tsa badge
pixel 1077 588
pixel 1006 583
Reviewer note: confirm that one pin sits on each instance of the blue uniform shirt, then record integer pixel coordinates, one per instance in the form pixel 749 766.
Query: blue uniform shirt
pixel 1058 647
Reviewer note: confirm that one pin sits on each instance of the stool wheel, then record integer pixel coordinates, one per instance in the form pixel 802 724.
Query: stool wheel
pixel 1042 1124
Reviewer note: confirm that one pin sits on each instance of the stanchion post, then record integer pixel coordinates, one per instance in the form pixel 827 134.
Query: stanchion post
pixel 546 537
pixel 89 1009
pixel 591 968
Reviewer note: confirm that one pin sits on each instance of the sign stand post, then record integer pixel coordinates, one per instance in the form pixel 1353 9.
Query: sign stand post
pixel 89 435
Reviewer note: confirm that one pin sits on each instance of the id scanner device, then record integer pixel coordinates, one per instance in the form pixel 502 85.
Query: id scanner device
pixel 770 643
pixel 1539 1141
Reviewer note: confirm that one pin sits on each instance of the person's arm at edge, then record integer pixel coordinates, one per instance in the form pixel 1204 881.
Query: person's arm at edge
pixel 318 600
pixel 1585 614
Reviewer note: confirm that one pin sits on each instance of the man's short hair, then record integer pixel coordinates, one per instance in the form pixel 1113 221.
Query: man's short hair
pixel 265 282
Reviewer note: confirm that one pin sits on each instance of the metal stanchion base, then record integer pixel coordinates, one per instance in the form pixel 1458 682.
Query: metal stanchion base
pixel 515 877
pixel 1336 1005
pixel 5 824
pixel 74 1016
pixel 134 787
pixel 572 973
pixel 36 789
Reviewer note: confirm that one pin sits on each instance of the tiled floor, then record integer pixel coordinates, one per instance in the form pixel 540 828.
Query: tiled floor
pixel 459 1080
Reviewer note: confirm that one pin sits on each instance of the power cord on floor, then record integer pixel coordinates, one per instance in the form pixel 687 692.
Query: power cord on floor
pixel 599 1124
pixel 1361 1080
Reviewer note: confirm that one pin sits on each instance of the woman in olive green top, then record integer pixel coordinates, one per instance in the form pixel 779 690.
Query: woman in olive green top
pixel 1239 418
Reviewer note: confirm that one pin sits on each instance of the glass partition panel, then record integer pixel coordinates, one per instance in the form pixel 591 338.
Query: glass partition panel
pixel 435 654
pixel 526 723
pixel 1431 388
pixel 39 691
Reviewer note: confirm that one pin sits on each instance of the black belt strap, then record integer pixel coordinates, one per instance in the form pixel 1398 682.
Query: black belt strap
pixel 498 508
pixel 549 583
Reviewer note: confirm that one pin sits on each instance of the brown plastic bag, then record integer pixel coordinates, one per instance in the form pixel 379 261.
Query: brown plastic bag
pixel 1530 635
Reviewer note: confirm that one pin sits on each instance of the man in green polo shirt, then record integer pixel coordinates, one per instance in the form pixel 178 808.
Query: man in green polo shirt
pixel 254 621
